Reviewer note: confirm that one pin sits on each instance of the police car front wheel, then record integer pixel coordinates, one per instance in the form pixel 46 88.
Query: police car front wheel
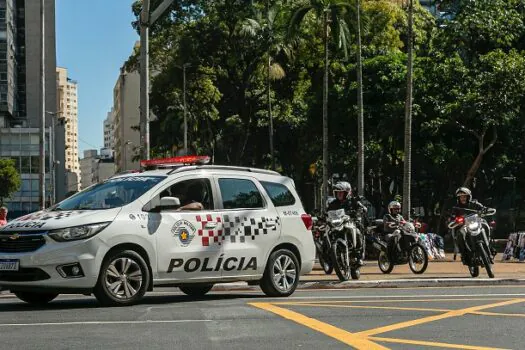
pixel 281 275
pixel 123 279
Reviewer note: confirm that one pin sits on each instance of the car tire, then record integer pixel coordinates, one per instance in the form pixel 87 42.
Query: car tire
pixel 281 275
pixel 35 298
pixel 123 279
pixel 196 290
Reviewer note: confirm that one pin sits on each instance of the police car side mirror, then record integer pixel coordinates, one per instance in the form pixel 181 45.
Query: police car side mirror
pixel 169 203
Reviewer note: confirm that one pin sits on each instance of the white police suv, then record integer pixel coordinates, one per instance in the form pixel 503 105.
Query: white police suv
pixel 189 225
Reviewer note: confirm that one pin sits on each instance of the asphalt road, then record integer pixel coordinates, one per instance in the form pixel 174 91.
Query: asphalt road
pixel 426 318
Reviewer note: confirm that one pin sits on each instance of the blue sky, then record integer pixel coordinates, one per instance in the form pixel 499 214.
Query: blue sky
pixel 94 38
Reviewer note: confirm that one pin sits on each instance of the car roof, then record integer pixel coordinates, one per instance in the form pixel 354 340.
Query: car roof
pixel 215 169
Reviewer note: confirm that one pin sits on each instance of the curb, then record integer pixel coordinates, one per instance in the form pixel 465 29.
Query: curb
pixel 400 283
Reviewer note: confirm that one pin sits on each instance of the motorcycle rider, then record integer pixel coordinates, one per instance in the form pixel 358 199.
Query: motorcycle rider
pixel 351 204
pixel 391 221
pixel 464 201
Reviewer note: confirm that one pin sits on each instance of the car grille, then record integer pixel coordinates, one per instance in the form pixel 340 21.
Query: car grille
pixel 20 243
pixel 24 275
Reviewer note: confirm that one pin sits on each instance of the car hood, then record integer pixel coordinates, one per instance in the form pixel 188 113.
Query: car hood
pixel 50 220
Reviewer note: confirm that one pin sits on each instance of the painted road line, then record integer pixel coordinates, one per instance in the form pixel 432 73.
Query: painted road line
pixel 428 319
pixel 96 323
pixel 484 313
pixel 322 327
pixel 429 343
pixel 329 297
pixel 371 307
pixel 387 301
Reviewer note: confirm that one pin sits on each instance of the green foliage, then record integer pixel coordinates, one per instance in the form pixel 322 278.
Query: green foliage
pixel 10 181
pixel 469 79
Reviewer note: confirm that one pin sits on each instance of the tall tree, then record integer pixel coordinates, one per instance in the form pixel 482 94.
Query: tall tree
pixel 331 14
pixel 360 116
pixel 264 27
pixel 407 171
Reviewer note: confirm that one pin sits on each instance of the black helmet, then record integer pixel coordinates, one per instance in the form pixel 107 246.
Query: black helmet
pixel 462 191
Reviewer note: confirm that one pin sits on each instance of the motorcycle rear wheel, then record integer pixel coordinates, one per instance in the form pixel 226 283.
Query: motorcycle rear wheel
pixel 341 266
pixel 356 273
pixel 418 255
pixel 385 265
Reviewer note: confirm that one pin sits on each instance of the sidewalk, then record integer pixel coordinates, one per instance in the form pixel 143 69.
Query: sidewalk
pixel 441 269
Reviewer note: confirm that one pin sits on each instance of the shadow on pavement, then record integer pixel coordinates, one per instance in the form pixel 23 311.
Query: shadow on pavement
pixel 84 302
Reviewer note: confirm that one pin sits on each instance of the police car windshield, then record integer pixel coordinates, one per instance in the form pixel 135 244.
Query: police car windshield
pixel 112 193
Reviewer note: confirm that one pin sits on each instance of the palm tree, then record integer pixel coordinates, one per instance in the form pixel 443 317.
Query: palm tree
pixel 331 13
pixel 263 27
pixel 360 116
pixel 407 171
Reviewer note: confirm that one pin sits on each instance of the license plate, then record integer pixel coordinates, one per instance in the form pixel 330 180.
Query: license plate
pixel 9 265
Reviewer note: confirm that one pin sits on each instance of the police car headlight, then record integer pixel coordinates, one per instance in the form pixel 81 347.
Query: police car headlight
pixel 77 232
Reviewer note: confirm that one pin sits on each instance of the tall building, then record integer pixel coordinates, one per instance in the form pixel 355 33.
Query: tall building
pixel 20 102
pixel 126 99
pixel 95 167
pixel 109 130
pixel 67 94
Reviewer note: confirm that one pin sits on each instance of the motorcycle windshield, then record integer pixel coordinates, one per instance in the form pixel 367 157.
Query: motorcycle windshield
pixel 336 214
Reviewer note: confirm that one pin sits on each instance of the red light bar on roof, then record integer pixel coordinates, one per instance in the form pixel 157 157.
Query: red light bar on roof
pixel 184 160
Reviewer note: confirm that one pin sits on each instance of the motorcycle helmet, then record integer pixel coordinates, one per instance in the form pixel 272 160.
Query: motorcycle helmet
pixel 343 186
pixel 464 191
pixel 394 205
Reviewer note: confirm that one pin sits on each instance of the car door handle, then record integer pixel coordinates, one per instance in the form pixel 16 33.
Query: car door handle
pixel 211 225
pixel 271 225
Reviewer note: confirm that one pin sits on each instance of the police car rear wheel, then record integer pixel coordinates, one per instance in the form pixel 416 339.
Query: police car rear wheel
pixel 196 290
pixel 123 279
pixel 281 275
pixel 35 298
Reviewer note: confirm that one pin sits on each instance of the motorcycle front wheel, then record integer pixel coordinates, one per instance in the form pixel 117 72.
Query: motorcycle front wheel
pixel 340 261
pixel 486 260
pixel 474 271
pixel 385 265
pixel 326 265
pixel 418 259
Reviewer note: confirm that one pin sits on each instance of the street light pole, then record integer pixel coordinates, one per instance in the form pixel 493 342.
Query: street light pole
pixel 146 20
pixel 42 178
pixel 185 108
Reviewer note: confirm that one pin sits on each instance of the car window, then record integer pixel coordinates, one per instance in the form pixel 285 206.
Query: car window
pixel 279 194
pixel 240 194
pixel 190 191
pixel 112 193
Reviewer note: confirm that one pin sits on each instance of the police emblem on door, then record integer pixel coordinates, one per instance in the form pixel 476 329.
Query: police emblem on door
pixel 185 231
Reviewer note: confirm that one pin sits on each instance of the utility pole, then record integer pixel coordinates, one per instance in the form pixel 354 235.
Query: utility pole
pixel 42 111
pixel 185 109
pixel 146 20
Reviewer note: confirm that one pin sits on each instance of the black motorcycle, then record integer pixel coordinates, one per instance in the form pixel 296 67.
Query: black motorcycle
pixel 407 249
pixel 472 233
pixel 323 244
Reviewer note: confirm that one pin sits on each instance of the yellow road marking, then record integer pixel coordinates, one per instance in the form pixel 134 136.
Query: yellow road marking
pixel 373 307
pixel 429 343
pixel 483 313
pixel 343 336
pixel 385 301
pixel 454 313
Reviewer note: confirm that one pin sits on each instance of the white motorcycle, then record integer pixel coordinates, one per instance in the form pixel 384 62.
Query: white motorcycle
pixel 344 235
pixel 474 232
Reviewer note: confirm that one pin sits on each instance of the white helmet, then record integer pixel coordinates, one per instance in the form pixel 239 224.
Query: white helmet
pixel 393 205
pixel 342 186
pixel 462 191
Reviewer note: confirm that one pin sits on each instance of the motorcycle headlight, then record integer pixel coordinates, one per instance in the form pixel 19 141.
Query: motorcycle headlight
pixel 473 226
pixel 77 232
